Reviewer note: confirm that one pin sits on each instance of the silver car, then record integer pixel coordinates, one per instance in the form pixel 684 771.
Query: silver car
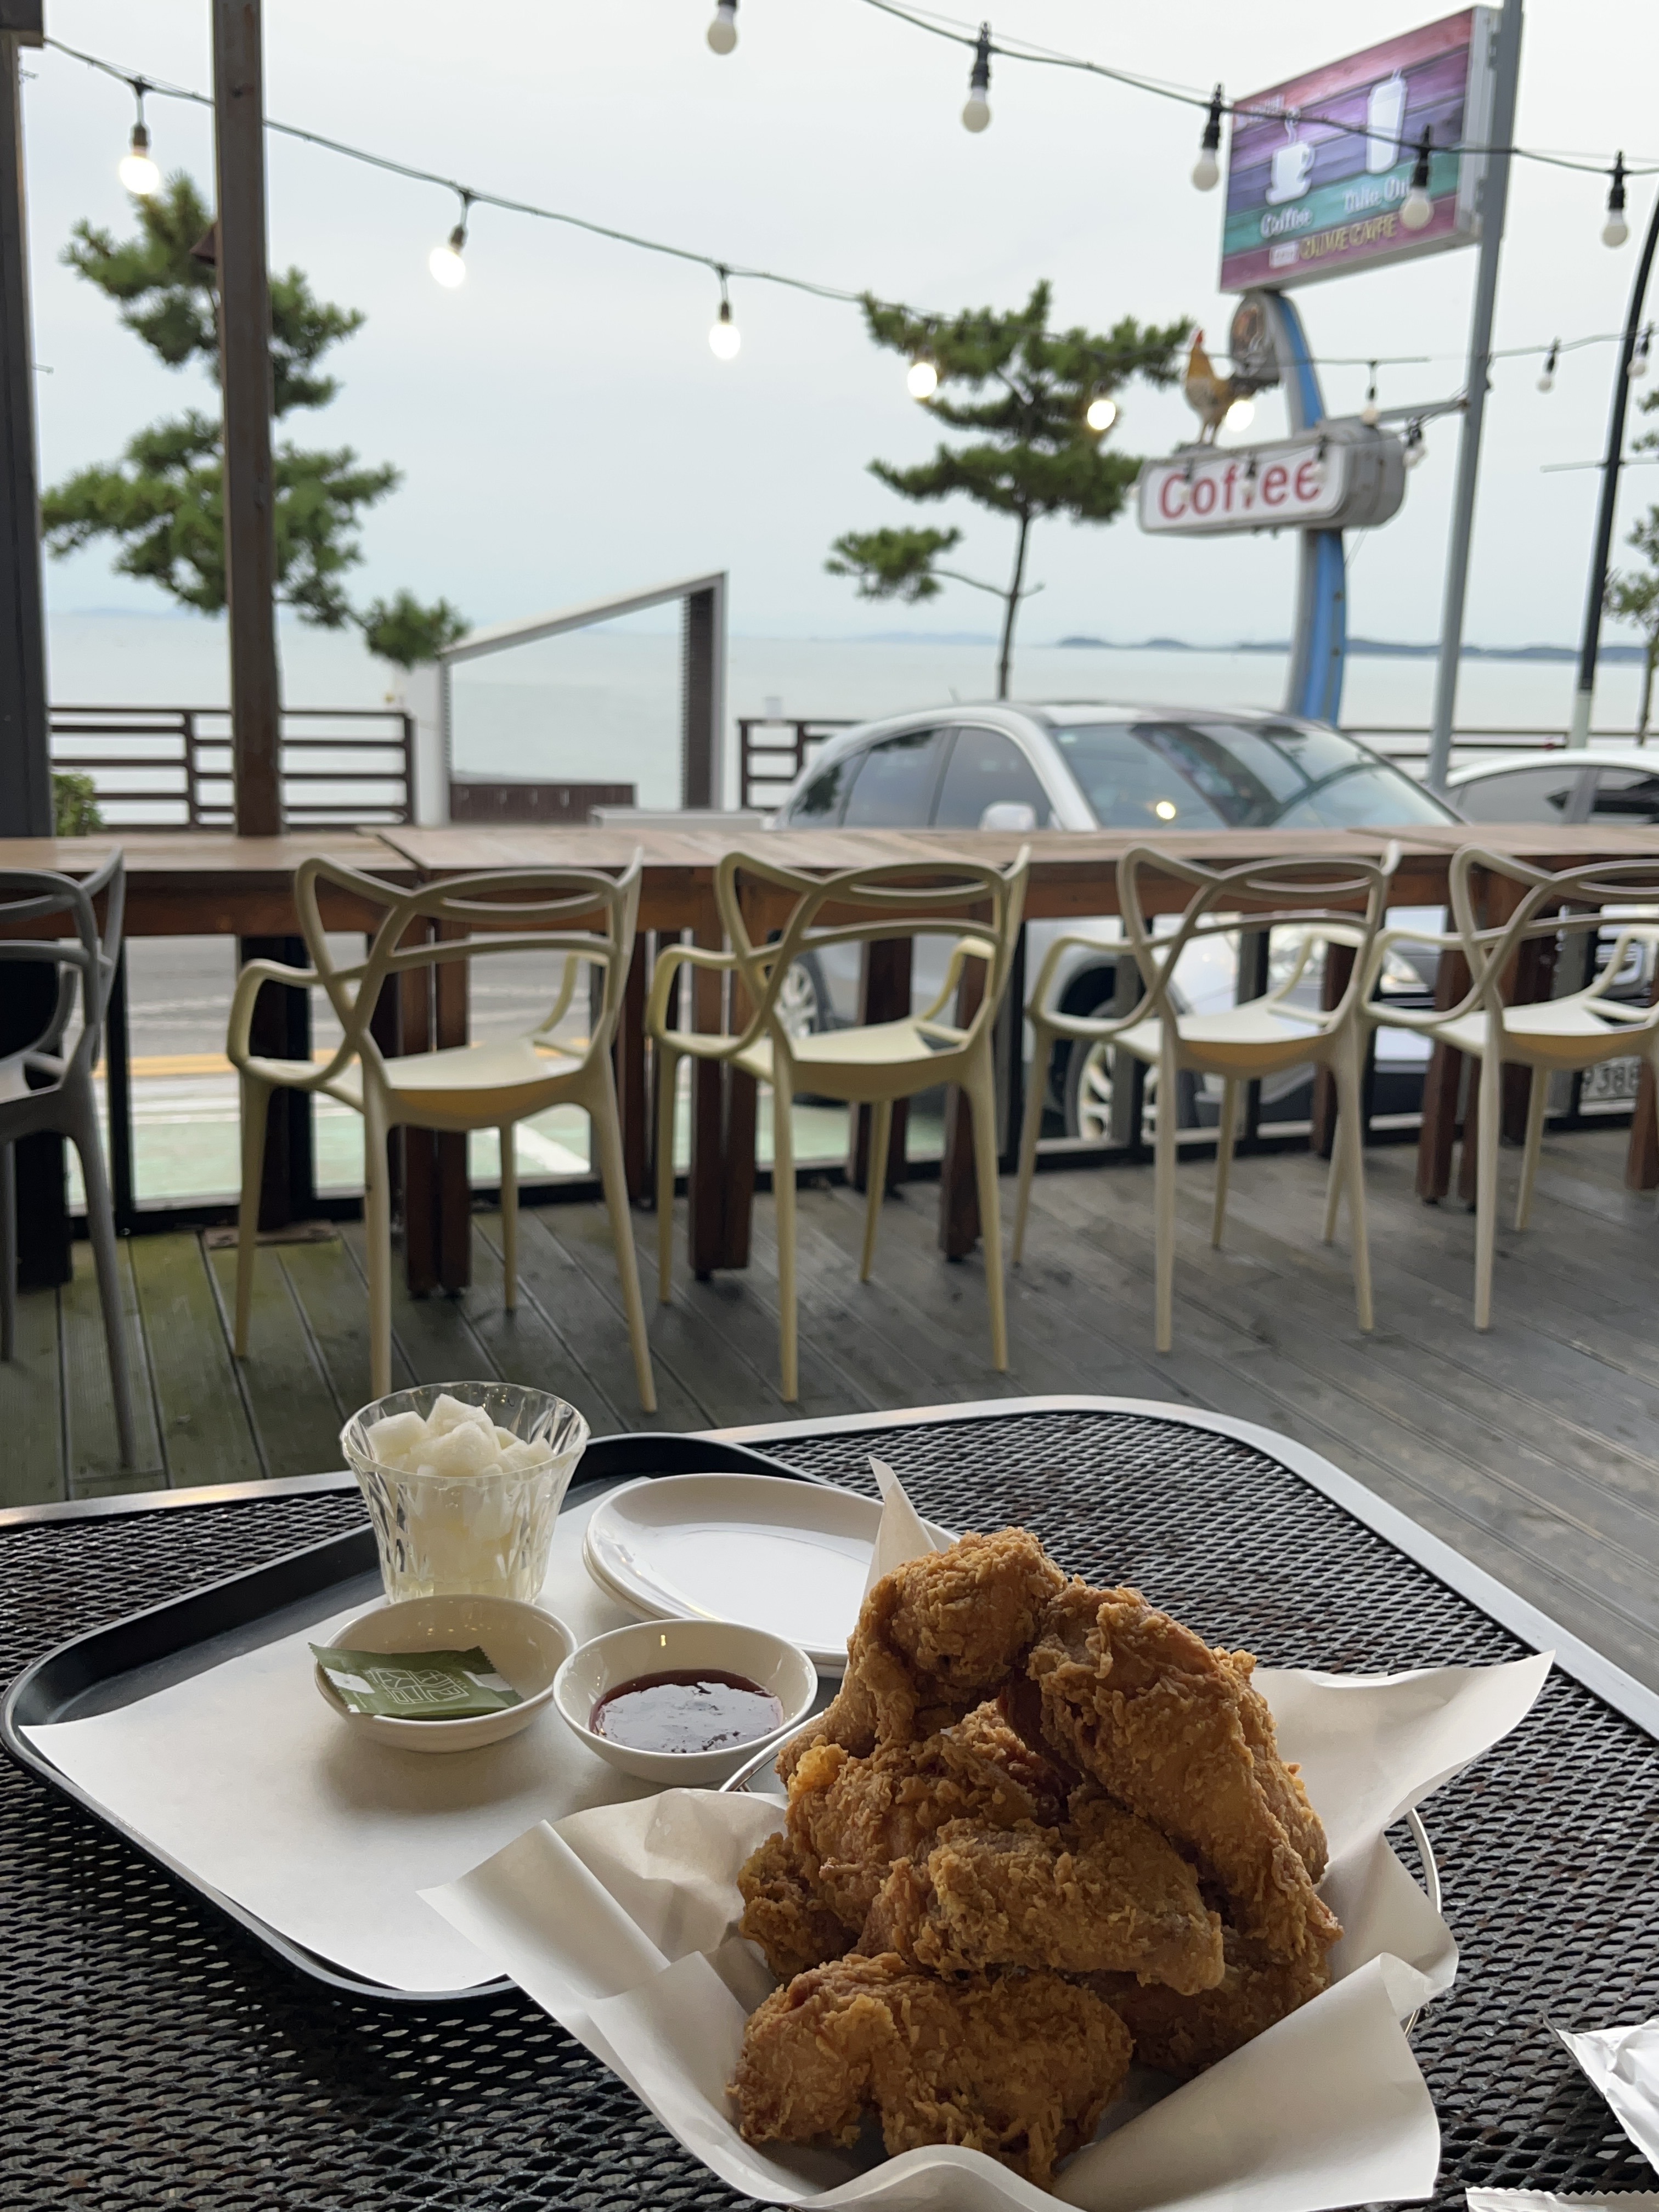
pixel 1087 765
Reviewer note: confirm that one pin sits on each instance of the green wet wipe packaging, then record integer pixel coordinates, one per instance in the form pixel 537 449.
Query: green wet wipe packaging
pixel 416 1685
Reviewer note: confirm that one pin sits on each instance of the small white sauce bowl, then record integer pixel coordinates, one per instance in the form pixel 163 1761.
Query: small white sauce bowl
pixel 524 1644
pixel 672 1647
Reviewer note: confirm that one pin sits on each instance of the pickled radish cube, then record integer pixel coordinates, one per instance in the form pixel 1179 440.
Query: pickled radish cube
pixel 449 1414
pixel 504 1437
pixel 464 1450
pixel 519 1455
pixel 397 1434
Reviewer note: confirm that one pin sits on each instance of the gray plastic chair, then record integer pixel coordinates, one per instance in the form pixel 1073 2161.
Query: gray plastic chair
pixel 66 1102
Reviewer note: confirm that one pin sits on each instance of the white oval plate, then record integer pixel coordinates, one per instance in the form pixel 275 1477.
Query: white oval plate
pixel 789 1557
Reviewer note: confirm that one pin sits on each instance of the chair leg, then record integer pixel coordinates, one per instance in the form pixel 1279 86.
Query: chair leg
pixel 668 1068
pixel 881 1127
pixel 509 1219
pixel 606 1124
pixel 1030 1128
pixel 1223 1157
pixel 256 1105
pixel 1164 1201
pixel 100 1228
pixel 1537 1107
pixel 783 1192
pixel 982 1096
pixel 1349 1080
pixel 1485 1182
pixel 377 1238
pixel 1334 1179
pixel 8 1252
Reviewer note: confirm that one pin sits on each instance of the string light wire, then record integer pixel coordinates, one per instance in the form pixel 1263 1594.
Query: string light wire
pixel 723 269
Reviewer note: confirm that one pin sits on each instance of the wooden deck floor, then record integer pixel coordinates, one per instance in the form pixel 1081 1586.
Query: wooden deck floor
pixel 1534 1450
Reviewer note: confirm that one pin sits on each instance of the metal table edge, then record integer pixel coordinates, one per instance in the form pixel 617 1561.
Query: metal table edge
pixel 1534 1627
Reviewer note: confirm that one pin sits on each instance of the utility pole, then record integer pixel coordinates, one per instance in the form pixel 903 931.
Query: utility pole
pixel 1494 199
pixel 1611 468
pixel 25 755
pixel 245 379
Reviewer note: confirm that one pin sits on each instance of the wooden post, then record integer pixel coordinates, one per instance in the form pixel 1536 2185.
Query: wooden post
pixel 1440 1088
pixel 454 1192
pixel 1641 1155
pixel 884 996
pixel 702 698
pixel 628 1052
pixel 281 1029
pixel 1338 973
pixel 959 1188
pixel 1255 946
pixel 244 376
pixel 25 759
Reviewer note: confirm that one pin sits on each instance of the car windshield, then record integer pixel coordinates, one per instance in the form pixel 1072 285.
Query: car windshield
pixel 1202 774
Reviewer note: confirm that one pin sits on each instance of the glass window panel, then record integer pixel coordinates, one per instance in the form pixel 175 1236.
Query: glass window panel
pixel 1127 784
pixel 1526 794
pixel 894 787
pixel 1627 794
pixel 987 769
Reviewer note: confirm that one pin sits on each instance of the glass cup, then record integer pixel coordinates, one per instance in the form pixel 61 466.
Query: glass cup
pixel 486 1535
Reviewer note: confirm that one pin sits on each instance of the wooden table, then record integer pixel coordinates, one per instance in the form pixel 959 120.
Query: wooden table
pixel 205 883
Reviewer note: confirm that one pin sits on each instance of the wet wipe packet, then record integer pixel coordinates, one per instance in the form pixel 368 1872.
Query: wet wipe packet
pixel 416 1685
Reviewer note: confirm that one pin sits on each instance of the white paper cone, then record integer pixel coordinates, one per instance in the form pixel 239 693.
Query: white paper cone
pixel 902 1534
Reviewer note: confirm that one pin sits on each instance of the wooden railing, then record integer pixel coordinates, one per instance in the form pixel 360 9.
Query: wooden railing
pixel 169 768
pixel 772 752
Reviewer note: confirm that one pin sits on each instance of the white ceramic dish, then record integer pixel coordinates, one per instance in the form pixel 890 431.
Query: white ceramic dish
pixel 524 1644
pixel 661 1647
pixel 792 1558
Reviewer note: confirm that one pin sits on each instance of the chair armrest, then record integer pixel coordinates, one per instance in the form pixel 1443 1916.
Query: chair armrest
pixel 701 1045
pixel 238 1043
pixel 965 950
pixel 1036 1003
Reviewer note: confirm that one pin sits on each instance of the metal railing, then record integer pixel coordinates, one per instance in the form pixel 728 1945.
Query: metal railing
pixel 169 768
pixel 1409 741
pixel 768 763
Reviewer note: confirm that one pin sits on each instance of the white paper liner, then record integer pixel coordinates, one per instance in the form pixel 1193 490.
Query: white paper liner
pixel 620 1921
pixel 1545 2200
pixel 1623 2065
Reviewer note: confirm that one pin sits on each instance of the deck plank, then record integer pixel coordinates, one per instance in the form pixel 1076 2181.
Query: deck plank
pixel 328 1286
pixel 524 1345
pixel 32 1406
pixel 296 1414
pixel 94 1453
pixel 206 1436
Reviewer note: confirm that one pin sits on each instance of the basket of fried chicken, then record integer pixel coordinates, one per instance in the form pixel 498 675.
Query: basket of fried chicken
pixel 1050 1906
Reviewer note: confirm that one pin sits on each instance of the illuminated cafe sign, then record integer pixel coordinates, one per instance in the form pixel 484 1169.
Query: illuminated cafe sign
pixel 1345 477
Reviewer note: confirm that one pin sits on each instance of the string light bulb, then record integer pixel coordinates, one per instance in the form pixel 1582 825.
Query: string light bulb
pixel 725 338
pixel 1417 210
pixel 976 115
pixel 1206 170
pixel 1316 468
pixel 1416 449
pixel 921 377
pixel 1546 375
pixel 1615 230
pixel 445 261
pixel 137 172
pixel 723 31
pixel 1240 414
pixel 1638 360
pixel 1370 414
pixel 1101 413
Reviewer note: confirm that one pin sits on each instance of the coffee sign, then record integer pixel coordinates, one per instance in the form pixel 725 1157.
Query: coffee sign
pixel 1320 167
pixel 1348 477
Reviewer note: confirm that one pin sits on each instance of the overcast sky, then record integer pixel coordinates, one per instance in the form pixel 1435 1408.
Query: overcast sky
pixel 562 425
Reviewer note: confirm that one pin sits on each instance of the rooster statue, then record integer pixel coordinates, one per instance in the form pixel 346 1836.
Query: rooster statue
pixel 1208 395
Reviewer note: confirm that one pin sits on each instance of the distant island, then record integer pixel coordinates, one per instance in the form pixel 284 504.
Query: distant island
pixel 1383 649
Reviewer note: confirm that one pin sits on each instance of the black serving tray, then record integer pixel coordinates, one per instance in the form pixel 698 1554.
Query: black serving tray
pixel 126 1660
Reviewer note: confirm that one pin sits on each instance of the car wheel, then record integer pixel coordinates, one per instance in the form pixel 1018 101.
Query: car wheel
pixel 802 1004
pixel 1088 1097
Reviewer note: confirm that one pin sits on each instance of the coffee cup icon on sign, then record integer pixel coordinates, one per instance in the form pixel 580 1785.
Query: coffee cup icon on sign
pixel 1292 165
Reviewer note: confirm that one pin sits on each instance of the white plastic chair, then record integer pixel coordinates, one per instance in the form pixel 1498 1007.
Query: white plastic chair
pixel 1327 901
pixel 66 1101
pixel 479 1087
pixel 874 1065
pixel 1579 1030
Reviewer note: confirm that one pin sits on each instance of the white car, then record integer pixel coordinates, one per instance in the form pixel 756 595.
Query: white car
pixel 1607 784
pixel 1086 765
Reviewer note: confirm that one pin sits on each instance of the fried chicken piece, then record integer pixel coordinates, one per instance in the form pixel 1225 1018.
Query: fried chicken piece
pixel 1019 2066
pixel 1104 1892
pixel 852 1818
pixel 1170 1728
pixel 1282 1783
pixel 783 1913
pixel 934 1638
pixel 1184 2034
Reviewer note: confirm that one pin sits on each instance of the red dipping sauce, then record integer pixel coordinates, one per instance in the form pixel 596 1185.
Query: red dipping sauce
pixel 696 1708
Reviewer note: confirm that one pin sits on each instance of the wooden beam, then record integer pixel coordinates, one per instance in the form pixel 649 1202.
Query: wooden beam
pixel 245 378
pixel 885 995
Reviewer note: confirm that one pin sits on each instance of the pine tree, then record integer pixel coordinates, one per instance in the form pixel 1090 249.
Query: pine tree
pixel 1034 454
pixel 163 503
pixel 1635 598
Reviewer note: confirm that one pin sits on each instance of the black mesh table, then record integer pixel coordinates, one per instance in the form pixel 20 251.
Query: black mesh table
pixel 154 2055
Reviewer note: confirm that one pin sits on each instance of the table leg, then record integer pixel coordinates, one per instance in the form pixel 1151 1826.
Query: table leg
pixel 1338 973
pixel 454 1194
pixel 627 1052
pixel 958 1197
pixel 1641 1155
pixel 1440 1089
pixel 706 1174
pixel 281 1029
pixel 417 1148
pixel 1499 899
pixel 1255 947
pixel 885 995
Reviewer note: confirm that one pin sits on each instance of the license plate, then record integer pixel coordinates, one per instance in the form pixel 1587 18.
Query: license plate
pixel 1613 1078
